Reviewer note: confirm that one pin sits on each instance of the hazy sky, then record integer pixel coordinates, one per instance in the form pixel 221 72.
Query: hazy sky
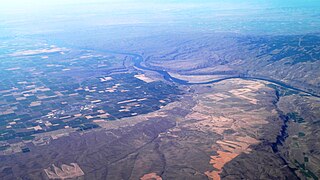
pixel 13 7
pixel 24 16
pixel 6 4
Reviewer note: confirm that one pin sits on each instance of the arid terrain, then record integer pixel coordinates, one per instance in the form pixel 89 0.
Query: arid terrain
pixel 160 91
pixel 167 119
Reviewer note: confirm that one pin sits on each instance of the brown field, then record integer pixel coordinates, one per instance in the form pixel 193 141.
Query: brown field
pixel 151 176
pixel 65 172
pixel 213 113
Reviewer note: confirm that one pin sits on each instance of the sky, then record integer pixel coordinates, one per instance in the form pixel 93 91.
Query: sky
pixel 24 16
pixel 13 7
pixel 11 4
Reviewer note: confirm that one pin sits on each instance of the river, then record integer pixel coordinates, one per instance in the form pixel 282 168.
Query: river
pixel 138 59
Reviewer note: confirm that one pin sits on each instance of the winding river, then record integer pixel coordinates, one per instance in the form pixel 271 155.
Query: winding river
pixel 138 59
